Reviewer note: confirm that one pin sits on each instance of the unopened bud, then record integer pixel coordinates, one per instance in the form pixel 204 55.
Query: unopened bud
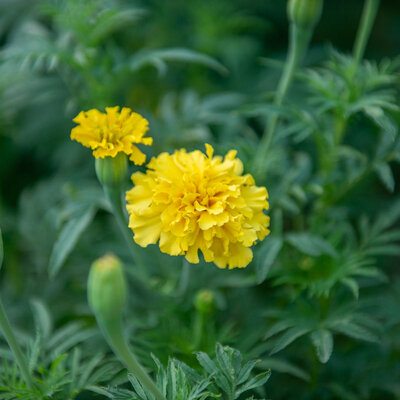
pixel 306 263
pixel 107 288
pixel 305 13
pixel 112 171
pixel 204 301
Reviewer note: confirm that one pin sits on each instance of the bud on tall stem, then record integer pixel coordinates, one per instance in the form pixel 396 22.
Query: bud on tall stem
pixel 303 16
pixel 305 13
pixel 107 297
pixel 364 31
pixel 204 303
pixel 107 288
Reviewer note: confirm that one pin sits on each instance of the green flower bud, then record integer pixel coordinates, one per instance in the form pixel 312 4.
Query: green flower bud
pixel 112 171
pixel 306 263
pixel 204 301
pixel 305 13
pixel 107 288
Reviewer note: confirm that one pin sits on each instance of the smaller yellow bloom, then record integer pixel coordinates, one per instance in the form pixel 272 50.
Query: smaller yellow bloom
pixel 112 132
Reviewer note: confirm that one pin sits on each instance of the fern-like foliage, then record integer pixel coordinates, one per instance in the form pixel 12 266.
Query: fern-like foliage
pixel 225 378
pixel 60 369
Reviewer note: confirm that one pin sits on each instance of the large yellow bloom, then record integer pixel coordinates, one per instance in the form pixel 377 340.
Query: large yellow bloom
pixel 192 201
pixel 112 132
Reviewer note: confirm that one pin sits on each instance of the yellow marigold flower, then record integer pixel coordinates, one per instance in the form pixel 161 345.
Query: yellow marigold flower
pixel 112 132
pixel 192 201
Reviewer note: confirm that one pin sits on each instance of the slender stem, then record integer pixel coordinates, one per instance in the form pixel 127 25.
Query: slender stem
pixel 113 332
pixel 184 279
pixel 114 196
pixel 14 346
pixel 278 221
pixel 342 193
pixel 198 329
pixel 364 30
pixel 299 41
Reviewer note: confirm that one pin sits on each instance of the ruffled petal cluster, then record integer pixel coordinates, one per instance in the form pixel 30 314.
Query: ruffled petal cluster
pixel 112 132
pixel 195 201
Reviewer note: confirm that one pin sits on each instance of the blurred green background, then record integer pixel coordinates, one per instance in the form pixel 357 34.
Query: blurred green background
pixel 190 67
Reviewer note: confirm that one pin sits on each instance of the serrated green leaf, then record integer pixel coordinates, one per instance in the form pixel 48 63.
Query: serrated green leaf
pixel 355 331
pixel 267 256
pixel 253 383
pixel 206 362
pixel 139 389
pixel 89 368
pixel 246 371
pixel 42 317
pixel 352 285
pixel 99 390
pixel 385 174
pixel 310 244
pixel 289 337
pixel 172 378
pixel 224 361
pixel 157 58
pixel 67 239
pixel 323 342
pixel 384 250
pixel 278 327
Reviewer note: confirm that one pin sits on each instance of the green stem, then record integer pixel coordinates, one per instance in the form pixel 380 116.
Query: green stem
pixel 327 152
pixel 278 222
pixel 114 196
pixel 340 127
pixel 12 342
pixel 364 30
pixel 198 329
pixel 184 279
pixel 299 41
pixel 342 193
pixel 113 332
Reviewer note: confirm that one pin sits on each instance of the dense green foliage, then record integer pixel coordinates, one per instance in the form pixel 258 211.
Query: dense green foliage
pixel 318 306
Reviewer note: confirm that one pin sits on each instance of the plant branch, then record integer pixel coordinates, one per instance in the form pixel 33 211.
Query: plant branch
pixel 299 41
pixel 365 28
pixel 113 332
pixel 14 346
pixel 114 196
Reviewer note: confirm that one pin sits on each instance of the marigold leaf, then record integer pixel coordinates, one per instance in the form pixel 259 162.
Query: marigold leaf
pixel 266 257
pixel 385 174
pixel 246 371
pixel 352 285
pixel 278 327
pixel 323 342
pixel 206 362
pixel 255 382
pixel 67 239
pixel 157 58
pixel 355 331
pixel 289 337
pixel 310 244
pixel 42 317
